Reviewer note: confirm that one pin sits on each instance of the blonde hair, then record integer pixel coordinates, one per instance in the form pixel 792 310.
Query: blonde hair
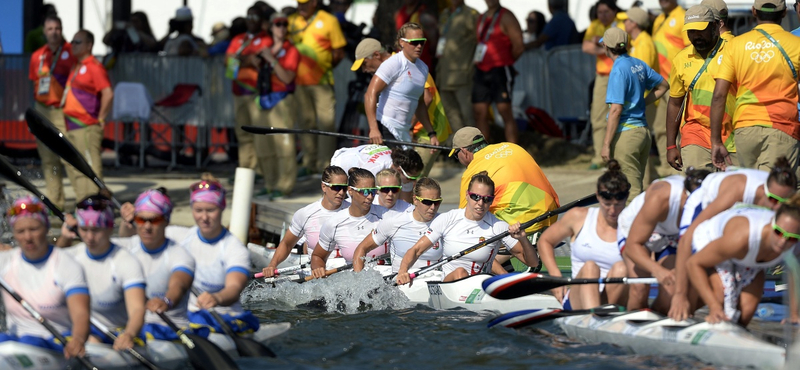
pixel 401 33
pixel 387 172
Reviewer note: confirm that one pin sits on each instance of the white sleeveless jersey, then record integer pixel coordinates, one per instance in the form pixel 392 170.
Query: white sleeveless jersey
pixel 457 233
pixel 158 266
pixel 307 222
pixel 346 232
pixel 668 227
pixel 109 275
pixel 400 206
pixel 589 247
pixel 214 260
pixel 401 231
pixel 45 284
pixel 371 157
pixel 712 229
pixel 709 190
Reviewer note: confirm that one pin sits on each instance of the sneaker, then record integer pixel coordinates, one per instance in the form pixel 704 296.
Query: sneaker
pixel 276 194
pixel 594 166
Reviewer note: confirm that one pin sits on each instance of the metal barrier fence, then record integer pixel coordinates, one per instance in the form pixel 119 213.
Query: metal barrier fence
pixel 556 81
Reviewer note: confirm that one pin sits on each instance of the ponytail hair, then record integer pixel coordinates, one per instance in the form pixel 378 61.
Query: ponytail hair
pixel 782 173
pixel 355 174
pixel 408 159
pixel 613 180
pixel 481 178
pixel 694 178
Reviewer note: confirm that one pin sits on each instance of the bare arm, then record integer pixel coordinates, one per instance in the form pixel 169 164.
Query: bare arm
pixel 318 260
pixel 106 96
pixel 673 125
pixel 78 306
pixel 719 154
pixel 592 47
pixel 564 228
pixel 376 85
pixel 338 55
pixel 511 28
pixel 235 282
pixel 654 210
pixel 134 305
pixel 657 93
pixel 366 246
pixel 531 258
pixel 411 257
pixel 283 251
pixel 538 42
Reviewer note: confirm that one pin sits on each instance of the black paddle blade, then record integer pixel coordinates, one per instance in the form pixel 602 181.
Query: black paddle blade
pixel 207 356
pixel 12 173
pixel 44 130
pixel 251 348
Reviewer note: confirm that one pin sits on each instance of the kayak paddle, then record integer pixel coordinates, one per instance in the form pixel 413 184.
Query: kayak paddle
pixel 203 355
pixel 276 130
pixel 138 356
pixel 515 285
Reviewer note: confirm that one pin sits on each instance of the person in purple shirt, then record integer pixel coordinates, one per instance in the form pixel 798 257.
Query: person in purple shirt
pixel 560 30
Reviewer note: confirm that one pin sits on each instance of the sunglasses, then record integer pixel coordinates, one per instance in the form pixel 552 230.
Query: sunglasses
pixel 389 189
pixel 335 187
pixel 790 237
pixel 365 191
pixel 415 42
pixel 95 202
pixel 281 24
pixel 608 195
pixel 407 175
pixel 25 208
pixel 206 185
pixel 487 199
pixel 139 220
pixel 429 202
pixel 774 199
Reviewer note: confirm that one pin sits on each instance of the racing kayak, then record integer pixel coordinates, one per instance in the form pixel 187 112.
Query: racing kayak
pixel 468 293
pixel 647 333
pixel 165 354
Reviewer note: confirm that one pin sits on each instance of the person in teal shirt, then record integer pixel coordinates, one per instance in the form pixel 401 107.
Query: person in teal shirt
pixel 627 137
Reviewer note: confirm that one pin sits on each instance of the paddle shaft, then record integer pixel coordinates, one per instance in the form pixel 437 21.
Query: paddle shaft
pixel 275 130
pixel 225 327
pixel 138 356
pixel 583 202
pixel 340 269
pixel 15 175
pixel 83 360
pixel 284 270
pixel 183 337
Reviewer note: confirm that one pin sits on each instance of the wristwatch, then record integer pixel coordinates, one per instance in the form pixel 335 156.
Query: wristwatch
pixel 168 302
pixel 431 133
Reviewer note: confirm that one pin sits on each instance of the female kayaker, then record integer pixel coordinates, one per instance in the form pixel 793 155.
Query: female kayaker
pixel 593 235
pixel 389 187
pixel 460 229
pixel 402 230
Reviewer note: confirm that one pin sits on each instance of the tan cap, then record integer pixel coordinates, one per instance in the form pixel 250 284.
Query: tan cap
pixel 639 16
pixel 697 18
pixel 219 26
pixel 365 49
pixel 466 136
pixel 777 5
pixel 615 38
pixel 718 7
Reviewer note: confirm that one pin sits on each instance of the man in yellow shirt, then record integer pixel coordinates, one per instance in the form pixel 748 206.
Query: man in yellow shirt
pixel 691 85
pixel 761 65
pixel 720 10
pixel 608 15
pixel 670 39
pixel 319 38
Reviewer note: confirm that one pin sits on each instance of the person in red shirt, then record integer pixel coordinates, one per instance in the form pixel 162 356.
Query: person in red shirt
pixel 242 66
pixel 276 153
pixel 49 68
pixel 499 46
pixel 86 103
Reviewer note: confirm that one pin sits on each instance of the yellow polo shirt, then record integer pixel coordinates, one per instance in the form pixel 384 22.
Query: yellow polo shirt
pixel 669 38
pixel 597 29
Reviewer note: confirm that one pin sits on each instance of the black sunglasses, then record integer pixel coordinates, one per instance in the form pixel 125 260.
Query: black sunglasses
pixel 618 196
pixel 281 24
pixel 389 189
pixel 487 199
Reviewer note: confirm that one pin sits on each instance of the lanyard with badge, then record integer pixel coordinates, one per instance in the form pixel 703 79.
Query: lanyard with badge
pixel 232 68
pixel 294 32
pixel 780 48
pixel 443 37
pixel 69 84
pixel 480 50
pixel 697 77
pixel 44 79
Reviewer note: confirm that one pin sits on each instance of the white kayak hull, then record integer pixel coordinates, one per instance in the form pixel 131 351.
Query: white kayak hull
pixel 468 294
pixel 648 333
pixel 167 355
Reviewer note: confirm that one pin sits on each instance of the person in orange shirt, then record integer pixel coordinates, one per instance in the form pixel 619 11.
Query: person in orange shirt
pixel 670 39
pixel 87 102
pixel 49 68
pixel 242 66
pixel 762 66
pixel 608 15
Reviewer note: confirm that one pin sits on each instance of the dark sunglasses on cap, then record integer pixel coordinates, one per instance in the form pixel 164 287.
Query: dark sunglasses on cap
pixel 487 199
pixel 622 195
pixel 139 220
pixel 429 202
pixel 394 189
pixel 206 185
pixel 95 202
pixel 365 191
pixel 335 187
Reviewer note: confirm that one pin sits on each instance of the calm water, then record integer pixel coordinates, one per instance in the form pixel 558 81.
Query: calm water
pixel 391 334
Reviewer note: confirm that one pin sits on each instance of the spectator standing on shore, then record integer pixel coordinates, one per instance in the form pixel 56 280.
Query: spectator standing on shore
pixel 49 68
pixel 87 103
pixel 720 10
pixel 499 46
pixel 318 36
pixel 238 27
pixel 558 32
pixel 35 38
pixel 185 43
pixel 535 23
pixel 132 36
pixel 454 68
pixel 242 64
pixel 670 39
pixel 765 119
pixel 414 11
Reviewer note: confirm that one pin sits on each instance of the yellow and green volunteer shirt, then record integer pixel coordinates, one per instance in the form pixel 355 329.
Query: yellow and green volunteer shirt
pixel 766 91
pixel 727 36
pixel 644 49
pixel 669 38
pixel 436 114
pixel 522 191
pixel 315 38
pixel 597 29
pixel 695 129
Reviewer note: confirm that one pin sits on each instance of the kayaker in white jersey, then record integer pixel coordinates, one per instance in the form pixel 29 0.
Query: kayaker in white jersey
pixel 647 236
pixel 115 278
pixel 307 221
pixel 48 279
pixel 370 157
pixel 738 245
pixel 402 230
pixel 389 187
pixel 593 234
pixel 347 228
pixel 719 192
pixel 409 164
pixel 169 268
pixel 462 228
